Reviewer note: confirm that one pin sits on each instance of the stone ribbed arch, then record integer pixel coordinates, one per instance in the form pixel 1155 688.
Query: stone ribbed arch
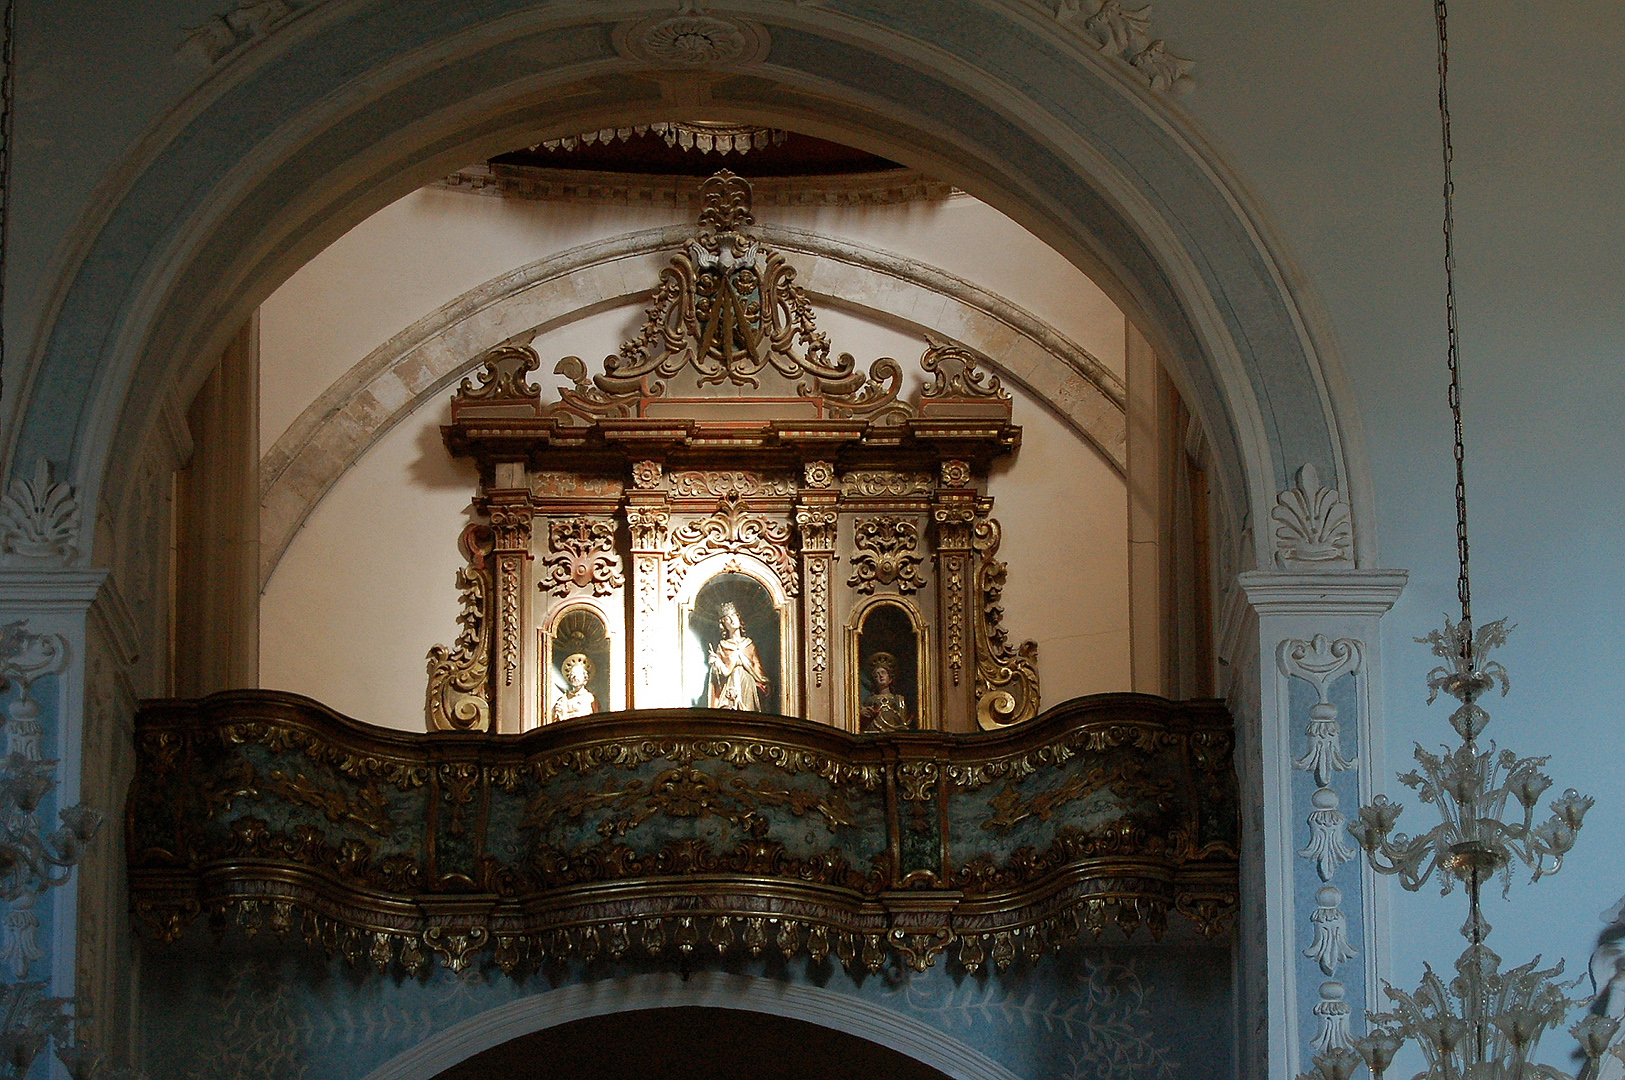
pixel 304 134
pixel 801 1001
pixel 417 364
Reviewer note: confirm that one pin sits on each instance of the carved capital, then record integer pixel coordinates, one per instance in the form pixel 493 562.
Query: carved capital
pixel 650 526
pixel 510 525
pixel 816 527
pixel 954 523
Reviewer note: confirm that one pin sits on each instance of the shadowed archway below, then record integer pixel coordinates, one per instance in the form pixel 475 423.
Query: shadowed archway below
pixel 934 1052
pixel 688 1043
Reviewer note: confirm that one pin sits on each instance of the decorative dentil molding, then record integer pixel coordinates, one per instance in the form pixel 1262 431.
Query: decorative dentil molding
pixel 1312 528
pixel 39 520
pixel 1126 35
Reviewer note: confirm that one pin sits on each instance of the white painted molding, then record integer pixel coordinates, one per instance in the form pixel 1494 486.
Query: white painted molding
pixel 1349 592
pixel 826 1008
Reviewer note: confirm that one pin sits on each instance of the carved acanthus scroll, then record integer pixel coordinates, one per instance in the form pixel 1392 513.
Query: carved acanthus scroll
pixel 885 555
pixel 459 677
pixel 583 557
pixel 1006 678
pixel 734 529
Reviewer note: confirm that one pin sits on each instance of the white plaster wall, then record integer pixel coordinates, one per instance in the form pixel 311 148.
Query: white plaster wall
pixel 366 587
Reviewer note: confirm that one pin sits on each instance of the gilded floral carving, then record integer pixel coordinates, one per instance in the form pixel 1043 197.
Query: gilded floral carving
pixel 583 557
pixel 729 485
pixel 733 528
pixel 459 687
pixel 879 483
pixel 885 555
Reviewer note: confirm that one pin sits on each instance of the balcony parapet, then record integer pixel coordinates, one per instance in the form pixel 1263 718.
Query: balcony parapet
pixel 681 832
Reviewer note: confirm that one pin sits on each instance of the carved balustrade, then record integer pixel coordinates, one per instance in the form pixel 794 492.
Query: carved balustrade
pixel 681 832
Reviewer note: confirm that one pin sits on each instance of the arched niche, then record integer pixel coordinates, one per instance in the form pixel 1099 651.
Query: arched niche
pixel 580 628
pixel 882 628
pixel 767 617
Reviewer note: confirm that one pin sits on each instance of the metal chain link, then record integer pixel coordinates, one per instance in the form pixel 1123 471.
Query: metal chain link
pixel 8 114
pixel 1452 354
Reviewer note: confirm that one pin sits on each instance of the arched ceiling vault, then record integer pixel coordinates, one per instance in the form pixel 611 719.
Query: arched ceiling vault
pixel 304 134
pixel 416 365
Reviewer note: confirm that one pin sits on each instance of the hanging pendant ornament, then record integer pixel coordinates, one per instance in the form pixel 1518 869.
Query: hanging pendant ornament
pixel 1484 1022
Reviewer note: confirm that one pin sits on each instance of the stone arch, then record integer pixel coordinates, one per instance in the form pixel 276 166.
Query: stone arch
pixel 813 1004
pixel 402 374
pixel 355 104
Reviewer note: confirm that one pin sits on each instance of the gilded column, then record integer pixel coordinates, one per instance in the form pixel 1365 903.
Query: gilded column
pixel 955 517
pixel 648 518
pixel 510 512
pixel 815 522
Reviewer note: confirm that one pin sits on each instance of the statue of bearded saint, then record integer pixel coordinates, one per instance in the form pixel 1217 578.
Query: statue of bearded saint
pixel 737 679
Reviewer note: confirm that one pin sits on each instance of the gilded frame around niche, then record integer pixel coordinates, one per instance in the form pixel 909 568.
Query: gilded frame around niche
pixel 610 696
pixel 924 675
pixel 785 674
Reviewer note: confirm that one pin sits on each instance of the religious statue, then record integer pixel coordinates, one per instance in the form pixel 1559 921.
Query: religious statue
pixel 737 679
pixel 579 701
pixel 885 709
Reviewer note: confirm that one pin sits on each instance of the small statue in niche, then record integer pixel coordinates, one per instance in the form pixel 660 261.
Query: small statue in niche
pixel 885 709
pixel 579 701
pixel 737 679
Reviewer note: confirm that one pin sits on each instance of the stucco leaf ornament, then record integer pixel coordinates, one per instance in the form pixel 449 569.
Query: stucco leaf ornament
pixel 1312 529
pixel 1126 34
pixel 39 519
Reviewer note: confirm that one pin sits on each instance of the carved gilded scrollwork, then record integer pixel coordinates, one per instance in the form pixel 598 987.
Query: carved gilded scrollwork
pixel 885 555
pixel 362 842
pixel 502 378
pixel 459 677
pixel 584 557
pixel 956 374
pixel 1006 677
pixel 877 483
pixel 699 483
pixel 733 528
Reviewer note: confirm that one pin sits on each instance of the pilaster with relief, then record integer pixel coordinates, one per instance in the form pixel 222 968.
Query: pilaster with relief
pixel 648 520
pixel 508 505
pixel 954 517
pixel 1318 666
pixel 816 528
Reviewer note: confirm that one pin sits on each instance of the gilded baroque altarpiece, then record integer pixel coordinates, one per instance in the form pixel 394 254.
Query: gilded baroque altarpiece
pixel 729 516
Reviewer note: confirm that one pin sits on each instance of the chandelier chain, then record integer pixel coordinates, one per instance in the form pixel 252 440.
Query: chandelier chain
pixel 8 114
pixel 1464 590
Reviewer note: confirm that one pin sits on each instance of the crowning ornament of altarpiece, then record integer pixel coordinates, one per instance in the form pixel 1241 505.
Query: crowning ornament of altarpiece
pixel 729 516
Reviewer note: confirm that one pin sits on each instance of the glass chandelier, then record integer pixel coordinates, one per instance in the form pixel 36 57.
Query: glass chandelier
pixel 1483 1023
